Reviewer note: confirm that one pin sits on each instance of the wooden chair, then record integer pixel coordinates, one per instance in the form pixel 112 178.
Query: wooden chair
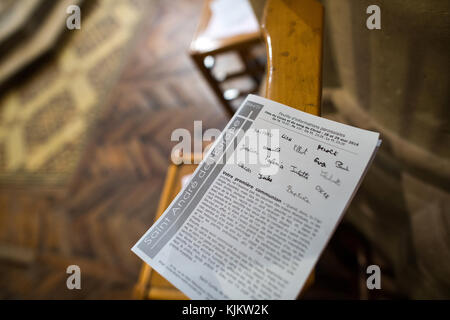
pixel 292 30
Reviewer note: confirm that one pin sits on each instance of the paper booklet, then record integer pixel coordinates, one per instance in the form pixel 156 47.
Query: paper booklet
pixel 260 208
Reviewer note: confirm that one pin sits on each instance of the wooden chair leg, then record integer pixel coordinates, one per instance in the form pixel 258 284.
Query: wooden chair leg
pixel 141 288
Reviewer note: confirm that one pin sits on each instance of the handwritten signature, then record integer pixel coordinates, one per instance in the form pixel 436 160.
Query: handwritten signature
pixel 300 150
pixel 340 165
pixel 275 162
pixel 325 194
pixel 299 172
pixel 241 165
pixel 269 149
pixel 263 177
pixel 264 132
pixel 330 151
pixel 248 149
pixel 329 177
pixel 298 195
pixel 320 163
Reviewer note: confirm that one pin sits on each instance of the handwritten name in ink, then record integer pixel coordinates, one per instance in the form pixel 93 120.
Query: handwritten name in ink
pixel 286 137
pixel 271 149
pixel 263 177
pixel 275 162
pixel 249 149
pixel 241 165
pixel 298 195
pixel 300 150
pixel 342 166
pixel 320 163
pixel 327 150
pixel 325 194
pixel 263 132
pixel 327 176
pixel 299 172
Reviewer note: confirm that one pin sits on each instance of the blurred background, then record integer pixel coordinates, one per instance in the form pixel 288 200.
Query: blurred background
pixel 86 117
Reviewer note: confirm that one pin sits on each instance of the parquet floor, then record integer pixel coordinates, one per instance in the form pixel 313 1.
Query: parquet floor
pixel 95 219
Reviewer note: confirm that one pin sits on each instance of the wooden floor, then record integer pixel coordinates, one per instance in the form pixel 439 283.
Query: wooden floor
pixel 94 220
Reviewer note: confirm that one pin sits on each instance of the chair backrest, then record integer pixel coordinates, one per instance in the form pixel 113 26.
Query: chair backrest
pixel 293 32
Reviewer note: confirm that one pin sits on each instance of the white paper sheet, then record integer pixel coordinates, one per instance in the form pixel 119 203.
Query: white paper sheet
pixel 246 229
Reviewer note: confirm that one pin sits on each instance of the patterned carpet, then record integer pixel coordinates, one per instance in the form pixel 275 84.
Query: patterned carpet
pixel 44 122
